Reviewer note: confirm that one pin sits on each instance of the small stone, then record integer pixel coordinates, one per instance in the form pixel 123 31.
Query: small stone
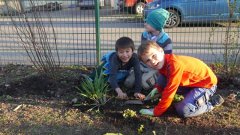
pixel 7 85
pixel 74 101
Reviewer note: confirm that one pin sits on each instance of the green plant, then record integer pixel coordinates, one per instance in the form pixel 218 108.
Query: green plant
pixel 128 113
pixel 140 129
pixel 178 98
pixel 95 90
pixel 6 97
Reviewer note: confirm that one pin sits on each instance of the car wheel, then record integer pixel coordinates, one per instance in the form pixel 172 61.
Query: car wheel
pixel 174 19
pixel 139 7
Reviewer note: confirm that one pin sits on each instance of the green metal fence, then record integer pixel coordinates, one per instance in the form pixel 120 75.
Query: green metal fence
pixel 85 34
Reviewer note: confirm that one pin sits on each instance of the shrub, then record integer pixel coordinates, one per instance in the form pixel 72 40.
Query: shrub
pixel 38 41
pixel 228 68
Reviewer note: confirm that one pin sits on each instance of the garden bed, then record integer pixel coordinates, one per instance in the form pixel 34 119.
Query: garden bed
pixel 33 103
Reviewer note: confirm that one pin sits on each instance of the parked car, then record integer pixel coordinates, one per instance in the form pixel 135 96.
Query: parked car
pixel 182 11
pixel 133 6
pixel 51 6
pixel 89 3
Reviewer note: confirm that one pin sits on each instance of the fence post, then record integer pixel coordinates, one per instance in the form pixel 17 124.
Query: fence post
pixel 97 19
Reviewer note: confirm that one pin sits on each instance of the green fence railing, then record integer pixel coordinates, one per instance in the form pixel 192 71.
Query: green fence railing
pixel 86 31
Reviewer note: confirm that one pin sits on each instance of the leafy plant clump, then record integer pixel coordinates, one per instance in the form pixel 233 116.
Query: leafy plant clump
pixel 178 98
pixel 94 90
pixel 128 113
pixel 140 129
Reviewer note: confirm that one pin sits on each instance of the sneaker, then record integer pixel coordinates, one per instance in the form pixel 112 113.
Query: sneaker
pixel 216 100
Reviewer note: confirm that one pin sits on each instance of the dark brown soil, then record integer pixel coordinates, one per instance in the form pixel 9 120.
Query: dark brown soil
pixel 51 100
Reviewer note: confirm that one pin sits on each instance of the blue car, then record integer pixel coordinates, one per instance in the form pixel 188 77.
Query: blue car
pixel 203 11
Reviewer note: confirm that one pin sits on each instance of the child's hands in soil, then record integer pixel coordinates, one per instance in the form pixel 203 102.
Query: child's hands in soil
pixel 139 95
pixel 121 94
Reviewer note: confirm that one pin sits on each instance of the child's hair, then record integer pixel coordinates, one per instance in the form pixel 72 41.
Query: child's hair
pixel 145 46
pixel 124 42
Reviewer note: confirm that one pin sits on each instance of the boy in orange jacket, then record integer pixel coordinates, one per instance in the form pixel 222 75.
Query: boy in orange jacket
pixel 182 74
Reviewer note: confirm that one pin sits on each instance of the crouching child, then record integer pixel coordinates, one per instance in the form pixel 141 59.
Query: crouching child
pixel 184 75
pixel 117 65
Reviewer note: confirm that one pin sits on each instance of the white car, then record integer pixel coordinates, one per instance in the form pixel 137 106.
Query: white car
pixel 89 3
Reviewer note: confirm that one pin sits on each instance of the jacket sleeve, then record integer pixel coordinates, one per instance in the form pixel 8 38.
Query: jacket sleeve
pixel 138 75
pixel 144 37
pixel 174 72
pixel 113 72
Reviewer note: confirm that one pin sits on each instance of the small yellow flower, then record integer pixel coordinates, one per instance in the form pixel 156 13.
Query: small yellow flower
pixel 129 113
pixel 140 129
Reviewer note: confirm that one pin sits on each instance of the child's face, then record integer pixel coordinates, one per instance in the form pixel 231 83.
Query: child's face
pixel 154 58
pixel 149 28
pixel 124 54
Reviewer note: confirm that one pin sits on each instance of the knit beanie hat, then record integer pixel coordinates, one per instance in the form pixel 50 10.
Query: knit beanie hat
pixel 157 18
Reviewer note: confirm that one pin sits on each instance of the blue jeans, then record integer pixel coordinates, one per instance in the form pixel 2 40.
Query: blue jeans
pixel 196 100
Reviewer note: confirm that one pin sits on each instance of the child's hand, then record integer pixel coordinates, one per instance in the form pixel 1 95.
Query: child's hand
pixel 139 95
pixel 121 94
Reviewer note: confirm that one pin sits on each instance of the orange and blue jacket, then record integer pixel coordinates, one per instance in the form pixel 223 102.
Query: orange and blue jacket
pixel 182 71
